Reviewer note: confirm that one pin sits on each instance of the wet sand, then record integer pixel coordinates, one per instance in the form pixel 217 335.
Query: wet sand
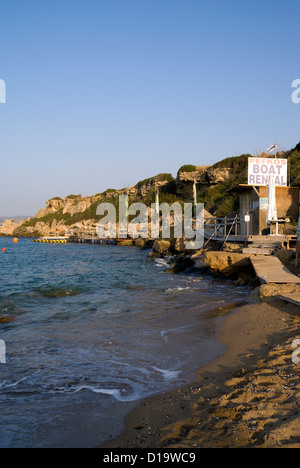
pixel 247 398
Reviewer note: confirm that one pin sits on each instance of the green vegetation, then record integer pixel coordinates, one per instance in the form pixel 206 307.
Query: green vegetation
pixel 110 190
pixel 294 163
pixel 188 168
pixel 157 178
pixel 217 199
pixel 238 163
pixel 73 197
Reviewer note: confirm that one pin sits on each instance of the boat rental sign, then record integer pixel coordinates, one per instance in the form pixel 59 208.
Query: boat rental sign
pixel 260 170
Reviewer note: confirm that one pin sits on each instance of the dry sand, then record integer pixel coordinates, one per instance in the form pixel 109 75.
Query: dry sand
pixel 248 397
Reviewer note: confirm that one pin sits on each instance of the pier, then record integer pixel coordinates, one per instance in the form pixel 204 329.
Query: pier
pixel 75 240
pixel 270 269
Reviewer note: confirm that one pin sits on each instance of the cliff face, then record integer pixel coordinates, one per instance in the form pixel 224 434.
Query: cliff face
pixel 78 214
pixel 204 176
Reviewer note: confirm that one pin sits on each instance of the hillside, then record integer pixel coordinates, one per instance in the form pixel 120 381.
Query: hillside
pixel 76 214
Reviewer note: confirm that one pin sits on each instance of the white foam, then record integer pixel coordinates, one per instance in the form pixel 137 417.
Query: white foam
pixel 167 374
pixel 178 288
pixel 5 384
pixel 115 392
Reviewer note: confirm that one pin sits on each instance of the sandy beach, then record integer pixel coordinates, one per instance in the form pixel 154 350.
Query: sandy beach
pixel 247 398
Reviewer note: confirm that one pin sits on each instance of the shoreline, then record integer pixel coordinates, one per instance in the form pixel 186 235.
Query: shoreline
pixel 249 397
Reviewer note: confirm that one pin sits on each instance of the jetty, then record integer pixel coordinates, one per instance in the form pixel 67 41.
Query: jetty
pixel 75 240
pixel 269 269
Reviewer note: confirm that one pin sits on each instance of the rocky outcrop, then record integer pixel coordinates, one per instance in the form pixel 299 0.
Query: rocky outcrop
pixel 162 247
pixel 204 176
pixel 228 264
pixel 8 227
pixel 185 181
pixel 79 207
pixel 270 292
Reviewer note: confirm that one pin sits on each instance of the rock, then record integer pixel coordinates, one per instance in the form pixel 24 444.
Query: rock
pixel 162 247
pixel 140 242
pixel 72 207
pixel 232 247
pixel 227 264
pixel 285 255
pixel 180 264
pixel 200 267
pixel 41 213
pixel 179 245
pixel 8 227
pixel 245 278
pixel 154 255
pixel 269 292
pixel 54 204
pixel 126 242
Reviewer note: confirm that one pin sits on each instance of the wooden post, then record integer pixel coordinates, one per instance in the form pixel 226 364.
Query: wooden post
pixel 297 252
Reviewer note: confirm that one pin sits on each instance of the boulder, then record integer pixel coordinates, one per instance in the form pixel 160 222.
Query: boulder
pixel 126 242
pixel 271 291
pixel 227 263
pixel 154 255
pixel 179 244
pixel 245 278
pixel 285 255
pixel 232 247
pixel 140 242
pixel 162 247
pixel 181 263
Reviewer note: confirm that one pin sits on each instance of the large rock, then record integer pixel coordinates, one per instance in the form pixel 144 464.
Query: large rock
pixel 162 247
pixel 271 291
pixel 74 208
pixel 181 263
pixel 227 263
pixel 8 227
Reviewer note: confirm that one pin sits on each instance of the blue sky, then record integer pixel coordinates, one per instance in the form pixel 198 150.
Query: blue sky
pixel 104 93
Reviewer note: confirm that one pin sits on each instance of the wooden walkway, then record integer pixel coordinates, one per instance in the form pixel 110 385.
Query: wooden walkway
pixel 269 269
pixel 294 298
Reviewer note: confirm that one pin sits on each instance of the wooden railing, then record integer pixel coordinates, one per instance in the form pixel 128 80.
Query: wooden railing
pixel 221 228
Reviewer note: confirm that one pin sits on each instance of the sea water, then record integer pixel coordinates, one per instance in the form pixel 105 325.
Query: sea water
pixel 89 331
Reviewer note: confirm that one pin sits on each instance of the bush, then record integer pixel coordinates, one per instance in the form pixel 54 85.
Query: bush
pixel 188 168
pixel 73 197
pixel 157 178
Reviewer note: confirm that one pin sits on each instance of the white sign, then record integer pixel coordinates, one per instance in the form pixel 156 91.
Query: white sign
pixel 260 169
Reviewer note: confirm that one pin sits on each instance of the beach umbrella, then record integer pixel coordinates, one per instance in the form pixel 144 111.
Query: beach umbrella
pixel 272 209
pixel 195 193
pixel 157 202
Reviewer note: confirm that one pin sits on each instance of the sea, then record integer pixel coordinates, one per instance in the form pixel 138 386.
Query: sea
pixel 91 330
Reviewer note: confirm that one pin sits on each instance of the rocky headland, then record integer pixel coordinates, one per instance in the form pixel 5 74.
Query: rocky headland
pixel 76 214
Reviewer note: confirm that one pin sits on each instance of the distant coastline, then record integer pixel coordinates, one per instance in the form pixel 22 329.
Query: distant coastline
pixel 17 219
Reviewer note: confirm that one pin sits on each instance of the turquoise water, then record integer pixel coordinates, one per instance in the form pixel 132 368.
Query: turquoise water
pixel 93 330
